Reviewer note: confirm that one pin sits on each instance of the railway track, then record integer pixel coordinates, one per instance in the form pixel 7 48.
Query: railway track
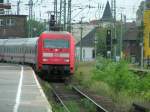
pixel 64 95
pixel 141 107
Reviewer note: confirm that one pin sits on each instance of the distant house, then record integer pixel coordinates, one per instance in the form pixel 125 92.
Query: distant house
pixel 13 26
pixel 88 47
pixel 131 46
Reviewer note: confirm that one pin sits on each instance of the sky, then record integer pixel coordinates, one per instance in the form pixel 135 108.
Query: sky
pixel 79 8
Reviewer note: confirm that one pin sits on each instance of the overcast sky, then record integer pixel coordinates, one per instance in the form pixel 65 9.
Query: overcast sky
pixel 127 7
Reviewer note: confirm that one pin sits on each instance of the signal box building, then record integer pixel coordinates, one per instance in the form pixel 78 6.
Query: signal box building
pixel 13 26
pixel 131 46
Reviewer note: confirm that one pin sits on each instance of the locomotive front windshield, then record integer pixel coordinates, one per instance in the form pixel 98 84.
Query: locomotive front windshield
pixel 53 43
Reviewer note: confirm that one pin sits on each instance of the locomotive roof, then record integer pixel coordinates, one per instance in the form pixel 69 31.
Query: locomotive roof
pixel 56 32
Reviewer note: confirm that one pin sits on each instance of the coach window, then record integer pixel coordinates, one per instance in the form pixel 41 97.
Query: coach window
pixel 31 51
pixel 14 50
pixel 1 22
pixel 27 50
pixel 19 50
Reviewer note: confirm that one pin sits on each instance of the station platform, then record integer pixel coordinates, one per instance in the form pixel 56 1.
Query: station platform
pixel 20 90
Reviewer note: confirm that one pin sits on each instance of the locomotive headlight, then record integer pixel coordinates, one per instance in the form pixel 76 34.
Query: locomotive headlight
pixel 66 60
pixel 45 59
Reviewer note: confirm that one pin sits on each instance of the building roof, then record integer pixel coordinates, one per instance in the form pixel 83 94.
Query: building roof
pixel 107 15
pixel 12 15
pixel 88 40
pixel 76 30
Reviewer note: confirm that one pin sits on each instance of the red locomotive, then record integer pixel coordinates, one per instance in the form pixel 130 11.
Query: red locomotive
pixel 53 52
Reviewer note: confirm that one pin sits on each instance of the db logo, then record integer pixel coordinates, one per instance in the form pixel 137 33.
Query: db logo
pixel 55 54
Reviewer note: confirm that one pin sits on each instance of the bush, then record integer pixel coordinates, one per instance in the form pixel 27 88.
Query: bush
pixel 119 78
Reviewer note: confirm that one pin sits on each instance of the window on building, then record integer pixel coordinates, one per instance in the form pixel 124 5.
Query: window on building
pixel 10 22
pixel 1 22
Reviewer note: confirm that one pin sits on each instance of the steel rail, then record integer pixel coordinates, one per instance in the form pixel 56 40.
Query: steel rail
pixel 60 100
pixel 101 109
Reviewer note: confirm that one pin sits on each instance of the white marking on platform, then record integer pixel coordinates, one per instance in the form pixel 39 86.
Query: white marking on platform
pixel 18 96
pixel 41 90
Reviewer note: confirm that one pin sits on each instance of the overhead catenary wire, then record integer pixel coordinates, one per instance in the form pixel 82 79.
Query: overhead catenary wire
pixel 89 13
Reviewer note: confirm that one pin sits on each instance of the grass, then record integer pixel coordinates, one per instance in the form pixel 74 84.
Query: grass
pixel 71 105
pixel 83 72
pixel 57 107
pixel 88 105
pixel 114 80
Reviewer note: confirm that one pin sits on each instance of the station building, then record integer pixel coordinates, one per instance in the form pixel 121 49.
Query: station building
pixel 13 26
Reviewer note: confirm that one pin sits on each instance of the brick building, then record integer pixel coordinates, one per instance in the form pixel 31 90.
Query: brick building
pixel 13 26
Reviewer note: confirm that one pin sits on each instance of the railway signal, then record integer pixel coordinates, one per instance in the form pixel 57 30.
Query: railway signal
pixel 52 23
pixel 108 43
pixel 108 40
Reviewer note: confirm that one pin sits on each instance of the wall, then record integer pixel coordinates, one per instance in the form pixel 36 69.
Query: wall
pixel 12 26
pixel 87 53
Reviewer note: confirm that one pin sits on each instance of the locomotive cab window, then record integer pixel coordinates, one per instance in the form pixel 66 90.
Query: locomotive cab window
pixel 56 43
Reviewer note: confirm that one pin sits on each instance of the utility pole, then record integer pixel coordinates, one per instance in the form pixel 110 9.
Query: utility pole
pixel 115 47
pixel 69 17
pixel 113 8
pixel 81 35
pixel 49 17
pixel 18 7
pixel 121 36
pixel 62 16
pixel 55 10
pixel 142 56
pixel 30 18
pixel 142 39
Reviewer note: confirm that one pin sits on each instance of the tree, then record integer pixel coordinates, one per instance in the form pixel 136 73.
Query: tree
pixel 101 38
pixel 139 13
pixel 37 27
